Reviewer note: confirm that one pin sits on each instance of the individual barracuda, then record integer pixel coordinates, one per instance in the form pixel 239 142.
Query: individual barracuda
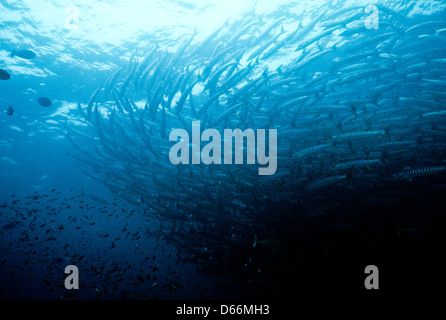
pixel 111 81
pixel 345 21
pixel 328 108
pixel 242 31
pixel 419 101
pixel 130 108
pixel 395 144
pixel 237 77
pixel 143 66
pixel 91 101
pixel 81 111
pixel 310 150
pixel 175 88
pixel 211 84
pixel 434 93
pixel 157 71
pixel 182 100
pixel 264 34
pixel 300 92
pixel 258 84
pixel 434 114
pixel 350 102
pixel 163 121
pixel 142 80
pixel 393 14
pixel 353 67
pixel 385 87
pixel 370 41
pixel 251 84
pixel 363 74
pixel 310 27
pixel 262 48
pixel 281 83
pixel 315 80
pixel 441 83
pixel 349 59
pixel 207 70
pixel 127 81
pixel 330 19
pixel 225 114
pixel 209 102
pixel 155 100
pixel 183 48
pixel 421 172
pixel 325 182
pixel 117 100
pixel 424 25
pixel 310 59
pixel 281 107
pixel 358 135
pixel 317 37
pixel 278 45
pixel 359 163
pixel 211 37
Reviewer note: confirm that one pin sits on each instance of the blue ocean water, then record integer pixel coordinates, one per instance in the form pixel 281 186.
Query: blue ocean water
pixel 355 90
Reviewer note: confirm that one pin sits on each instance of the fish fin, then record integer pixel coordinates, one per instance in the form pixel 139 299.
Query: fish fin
pixel 255 241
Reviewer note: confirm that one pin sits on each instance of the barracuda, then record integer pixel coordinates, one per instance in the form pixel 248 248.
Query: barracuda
pixel 325 182
pixel 359 163
pixel 358 134
pixel 421 172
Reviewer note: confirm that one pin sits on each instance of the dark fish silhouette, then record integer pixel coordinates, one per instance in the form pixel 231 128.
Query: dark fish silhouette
pixel 4 75
pixel 45 102
pixel 10 111
pixel 9 225
pixel 25 54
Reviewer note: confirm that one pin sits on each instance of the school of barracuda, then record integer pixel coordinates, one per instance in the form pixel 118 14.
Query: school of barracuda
pixel 357 111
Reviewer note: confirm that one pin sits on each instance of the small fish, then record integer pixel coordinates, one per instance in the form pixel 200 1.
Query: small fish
pixel 272 244
pixel 9 225
pixel 4 75
pixel 44 102
pixel 10 111
pixel 25 54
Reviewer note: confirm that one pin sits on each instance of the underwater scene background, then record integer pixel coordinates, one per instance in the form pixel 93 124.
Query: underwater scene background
pixel 90 92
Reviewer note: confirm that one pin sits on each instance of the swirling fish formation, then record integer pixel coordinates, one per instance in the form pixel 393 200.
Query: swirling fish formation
pixel 357 109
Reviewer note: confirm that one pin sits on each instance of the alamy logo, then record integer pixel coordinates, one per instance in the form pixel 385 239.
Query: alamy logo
pixel 212 151
pixel 72 280
pixel 72 21
pixel 372 21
